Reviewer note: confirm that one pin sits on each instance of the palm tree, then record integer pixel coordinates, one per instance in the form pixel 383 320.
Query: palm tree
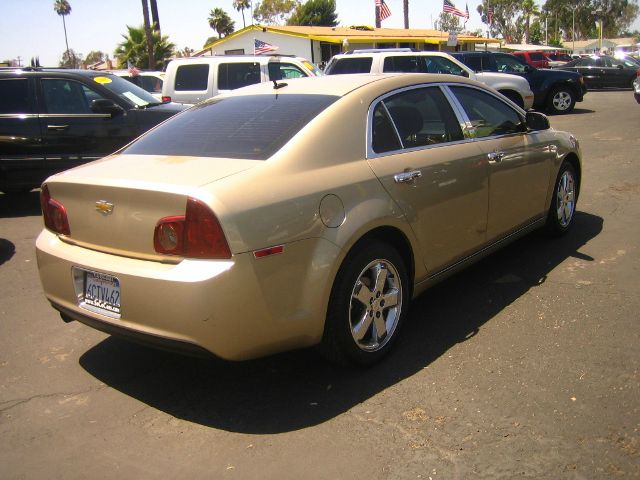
pixel 405 8
pixel 241 6
pixel 529 8
pixel 154 15
pixel 134 48
pixel 221 22
pixel 147 32
pixel 63 9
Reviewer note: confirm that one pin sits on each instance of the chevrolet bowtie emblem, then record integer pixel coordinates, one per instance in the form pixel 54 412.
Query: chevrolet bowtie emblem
pixel 104 207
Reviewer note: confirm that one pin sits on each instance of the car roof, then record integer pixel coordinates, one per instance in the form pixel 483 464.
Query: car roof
pixel 392 52
pixel 52 70
pixel 341 85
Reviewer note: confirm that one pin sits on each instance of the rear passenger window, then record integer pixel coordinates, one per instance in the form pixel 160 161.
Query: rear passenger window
pixel 14 95
pixel 236 75
pixel 405 63
pixel 420 117
pixel 488 115
pixel 536 56
pixel 350 65
pixel 192 77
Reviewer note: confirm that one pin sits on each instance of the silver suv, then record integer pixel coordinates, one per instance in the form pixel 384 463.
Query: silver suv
pixel 194 79
pixel 516 89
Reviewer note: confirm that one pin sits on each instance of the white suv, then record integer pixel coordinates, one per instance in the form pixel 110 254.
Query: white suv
pixel 515 88
pixel 193 79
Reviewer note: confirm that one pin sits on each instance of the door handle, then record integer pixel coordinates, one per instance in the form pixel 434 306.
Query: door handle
pixel 495 157
pixel 57 127
pixel 407 177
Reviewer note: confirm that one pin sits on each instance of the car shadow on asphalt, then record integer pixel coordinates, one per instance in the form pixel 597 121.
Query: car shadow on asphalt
pixel 25 204
pixel 299 389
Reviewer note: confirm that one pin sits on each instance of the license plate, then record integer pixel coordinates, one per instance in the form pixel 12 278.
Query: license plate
pixel 102 292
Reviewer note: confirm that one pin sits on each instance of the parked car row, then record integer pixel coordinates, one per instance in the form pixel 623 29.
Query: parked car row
pixel 54 119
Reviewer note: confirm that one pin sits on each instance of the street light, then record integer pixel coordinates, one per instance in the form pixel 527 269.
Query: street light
pixel 598 13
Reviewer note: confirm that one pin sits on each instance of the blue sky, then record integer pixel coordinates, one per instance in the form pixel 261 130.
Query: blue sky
pixel 31 27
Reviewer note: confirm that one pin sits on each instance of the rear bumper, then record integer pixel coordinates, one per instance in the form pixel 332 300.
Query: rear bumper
pixel 236 309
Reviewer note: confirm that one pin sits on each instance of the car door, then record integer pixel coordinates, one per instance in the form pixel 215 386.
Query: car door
pixel 438 179
pixel 21 154
pixel 620 72
pixel 72 133
pixel 519 164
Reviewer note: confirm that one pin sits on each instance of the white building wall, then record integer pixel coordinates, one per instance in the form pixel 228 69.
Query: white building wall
pixel 287 44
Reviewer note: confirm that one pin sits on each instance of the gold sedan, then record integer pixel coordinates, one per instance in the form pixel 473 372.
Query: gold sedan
pixel 304 213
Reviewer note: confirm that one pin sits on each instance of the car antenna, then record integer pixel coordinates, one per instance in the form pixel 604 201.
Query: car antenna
pixel 277 85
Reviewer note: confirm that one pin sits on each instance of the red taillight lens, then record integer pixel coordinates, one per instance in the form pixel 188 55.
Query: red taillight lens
pixel 197 234
pixel 54 213
pixel 166 99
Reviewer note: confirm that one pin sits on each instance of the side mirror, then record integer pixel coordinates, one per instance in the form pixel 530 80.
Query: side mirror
pixel 620 67
pixel 528 68
pixel 104 105
pixel 465 73
pixel 537 121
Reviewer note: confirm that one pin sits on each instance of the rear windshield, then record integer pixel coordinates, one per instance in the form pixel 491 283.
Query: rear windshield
pixel 250 127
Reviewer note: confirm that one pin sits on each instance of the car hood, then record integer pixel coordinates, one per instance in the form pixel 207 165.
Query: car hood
pixel 162 172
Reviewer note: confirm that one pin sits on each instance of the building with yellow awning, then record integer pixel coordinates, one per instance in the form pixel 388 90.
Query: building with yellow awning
pixel 319 44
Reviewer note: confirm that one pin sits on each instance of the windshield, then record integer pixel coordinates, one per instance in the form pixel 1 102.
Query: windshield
pixel 250 127
pixel 126 90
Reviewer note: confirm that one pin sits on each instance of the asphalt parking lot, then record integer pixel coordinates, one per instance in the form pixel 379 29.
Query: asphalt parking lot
pixel 526 365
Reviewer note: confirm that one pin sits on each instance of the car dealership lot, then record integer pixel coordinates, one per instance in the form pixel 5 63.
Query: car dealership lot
pixel 525 364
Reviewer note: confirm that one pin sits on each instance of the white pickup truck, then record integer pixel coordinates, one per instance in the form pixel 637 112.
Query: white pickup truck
pixel 515 88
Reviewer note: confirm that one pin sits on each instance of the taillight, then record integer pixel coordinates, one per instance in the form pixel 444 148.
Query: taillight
pixel 166 99
pixel 54 213
pixel 196 234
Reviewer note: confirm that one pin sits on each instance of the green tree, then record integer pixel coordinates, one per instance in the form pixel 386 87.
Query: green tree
pixel 507 19
pixel 95 56
pixel 617 16
pixel 241 6
pixel 134 48
pixel 221 22
pixel 209 41
pixel 274 12
pixel 70 59
pixel 448 23
pixel 315 13
pixel 62 8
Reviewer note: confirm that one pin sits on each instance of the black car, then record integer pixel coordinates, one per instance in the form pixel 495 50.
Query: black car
pixel 556 91
pixel 54 119
pixel 605 71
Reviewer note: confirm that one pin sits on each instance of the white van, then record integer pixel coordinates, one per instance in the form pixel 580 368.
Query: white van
pixel 193 79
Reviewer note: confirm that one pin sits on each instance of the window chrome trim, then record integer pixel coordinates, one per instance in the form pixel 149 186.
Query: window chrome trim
pixel 371 154
pixel 19 115
pixel 75 115
pixel 469 130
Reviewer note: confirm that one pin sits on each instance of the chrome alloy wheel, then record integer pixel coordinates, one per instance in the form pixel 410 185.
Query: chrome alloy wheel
pixel 562 100
pixel 376 304
pixel 565 199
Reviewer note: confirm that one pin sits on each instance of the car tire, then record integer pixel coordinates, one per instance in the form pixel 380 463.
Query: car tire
pixel 368 303
pixel 514 97
pixel 563 203
pixel 561 100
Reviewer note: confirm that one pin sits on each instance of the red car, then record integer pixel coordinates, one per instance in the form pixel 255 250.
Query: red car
pixel 535 58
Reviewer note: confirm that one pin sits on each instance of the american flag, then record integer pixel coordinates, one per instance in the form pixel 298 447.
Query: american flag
pixel 449 7
pixel 261 47
pixel 384 10
pixel 489 14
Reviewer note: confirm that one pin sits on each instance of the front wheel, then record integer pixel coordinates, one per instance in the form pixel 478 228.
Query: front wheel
pixel 367 305
pixel 563 203
pixel 561 100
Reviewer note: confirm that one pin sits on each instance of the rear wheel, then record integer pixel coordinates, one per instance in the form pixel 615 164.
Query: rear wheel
pixel 367 305
pixel 563 203
pixel 561 100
